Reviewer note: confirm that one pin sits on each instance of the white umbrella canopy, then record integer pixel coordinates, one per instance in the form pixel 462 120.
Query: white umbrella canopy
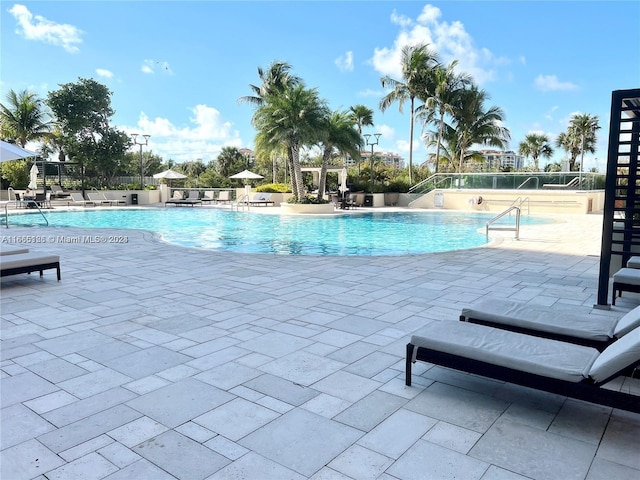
pixel 10 151
pixel 246 175
pixel 169 175
pixel 33 177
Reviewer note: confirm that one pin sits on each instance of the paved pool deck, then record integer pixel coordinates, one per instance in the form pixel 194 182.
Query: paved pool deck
pixel 153 361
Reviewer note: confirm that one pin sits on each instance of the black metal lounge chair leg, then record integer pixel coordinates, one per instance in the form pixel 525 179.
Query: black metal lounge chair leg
pixel 410 348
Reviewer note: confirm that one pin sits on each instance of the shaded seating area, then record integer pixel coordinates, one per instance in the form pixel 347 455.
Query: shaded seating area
pixel 28 262
pixel 548 365
pixel 597 331
pixel 261 198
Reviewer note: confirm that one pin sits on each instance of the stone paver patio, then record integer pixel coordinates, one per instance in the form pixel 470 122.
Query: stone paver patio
pixel 153 361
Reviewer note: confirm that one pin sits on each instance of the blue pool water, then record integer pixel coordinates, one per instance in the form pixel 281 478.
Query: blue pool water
pixel 372 234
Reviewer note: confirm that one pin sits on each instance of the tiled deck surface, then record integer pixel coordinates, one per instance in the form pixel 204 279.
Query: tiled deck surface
pixel 152 361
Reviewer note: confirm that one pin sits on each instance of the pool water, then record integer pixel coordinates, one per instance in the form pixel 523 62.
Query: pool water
pixel 367 234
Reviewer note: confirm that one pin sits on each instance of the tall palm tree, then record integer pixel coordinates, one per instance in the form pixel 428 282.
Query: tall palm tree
pixel 361 116
pixel 579 137
pixel 447 85
pixel 339 134
pixel 535 145
pixel 275 79
pixel 417 62
pixel 584 126
pixel 476 124
pixel 24 118
pixel 291 118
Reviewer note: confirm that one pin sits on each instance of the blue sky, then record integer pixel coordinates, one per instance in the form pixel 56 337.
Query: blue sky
pixel 177 68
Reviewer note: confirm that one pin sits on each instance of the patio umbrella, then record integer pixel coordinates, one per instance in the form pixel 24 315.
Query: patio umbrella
pixel 10 151
pixel 33 177
pixel 170 175
pixel 246 175
pixel 343 181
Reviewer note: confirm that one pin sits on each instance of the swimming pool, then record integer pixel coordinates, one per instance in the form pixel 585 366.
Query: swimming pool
pixel 366 234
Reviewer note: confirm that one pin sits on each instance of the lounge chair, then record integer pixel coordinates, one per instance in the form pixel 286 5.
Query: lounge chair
pixel 27 263
pixel 177 197
pixel 224 197
pixel 58 192
pixel 115 198
pixel 6 249
pixel 192 199
pixel 625 280
pixel 209 197
pixel 558 367
pixel 597 331
pixel 261 198
pixel 79 199
pixel 99 198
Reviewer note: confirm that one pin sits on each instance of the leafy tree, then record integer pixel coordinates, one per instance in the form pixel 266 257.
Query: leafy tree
pixel 535 145
pixel 361 116
pixel 230 161
pixel 338 135
pixel 83 110
pixel 24 118
pixel 16 173
pixel 417 62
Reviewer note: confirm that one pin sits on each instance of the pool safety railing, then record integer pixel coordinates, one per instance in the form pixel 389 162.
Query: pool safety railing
pixel 516 228
pixel 28 203
pixel 536 179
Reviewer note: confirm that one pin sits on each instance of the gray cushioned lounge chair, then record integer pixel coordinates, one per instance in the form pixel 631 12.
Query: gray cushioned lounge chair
pixel 6 249
pixel 596 331
pixel 558 367
pixel 27 263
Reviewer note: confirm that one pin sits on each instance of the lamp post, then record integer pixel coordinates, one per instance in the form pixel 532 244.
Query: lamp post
pixel 142 144
pixel 371 142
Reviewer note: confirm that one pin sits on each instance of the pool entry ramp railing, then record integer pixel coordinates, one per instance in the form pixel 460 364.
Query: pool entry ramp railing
pixel 511 181
pixel 17 203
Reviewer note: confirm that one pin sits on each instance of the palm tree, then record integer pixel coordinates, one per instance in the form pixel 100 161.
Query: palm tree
pixel 291 118
pixel 339 134
pixel 584 127
pixel 579 137
pixel 473 124
pixel 417 62
pixel 24 118
pixel 535 145
pixel 275 79
pixel 447 86
pixel 361 116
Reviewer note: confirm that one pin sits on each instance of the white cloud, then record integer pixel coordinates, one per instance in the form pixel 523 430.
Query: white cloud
pixel 38 28
pixel 345 62
pixel 550 83
pixel 151 66
pixel 449 39
pixel 203 138
pixel 104 73
pixel 368 92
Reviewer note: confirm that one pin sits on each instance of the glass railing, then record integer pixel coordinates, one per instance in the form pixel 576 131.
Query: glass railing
pixel 512 181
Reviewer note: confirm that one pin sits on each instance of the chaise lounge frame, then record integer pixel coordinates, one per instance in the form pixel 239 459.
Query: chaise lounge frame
pixel 36 265
pixel 586 390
